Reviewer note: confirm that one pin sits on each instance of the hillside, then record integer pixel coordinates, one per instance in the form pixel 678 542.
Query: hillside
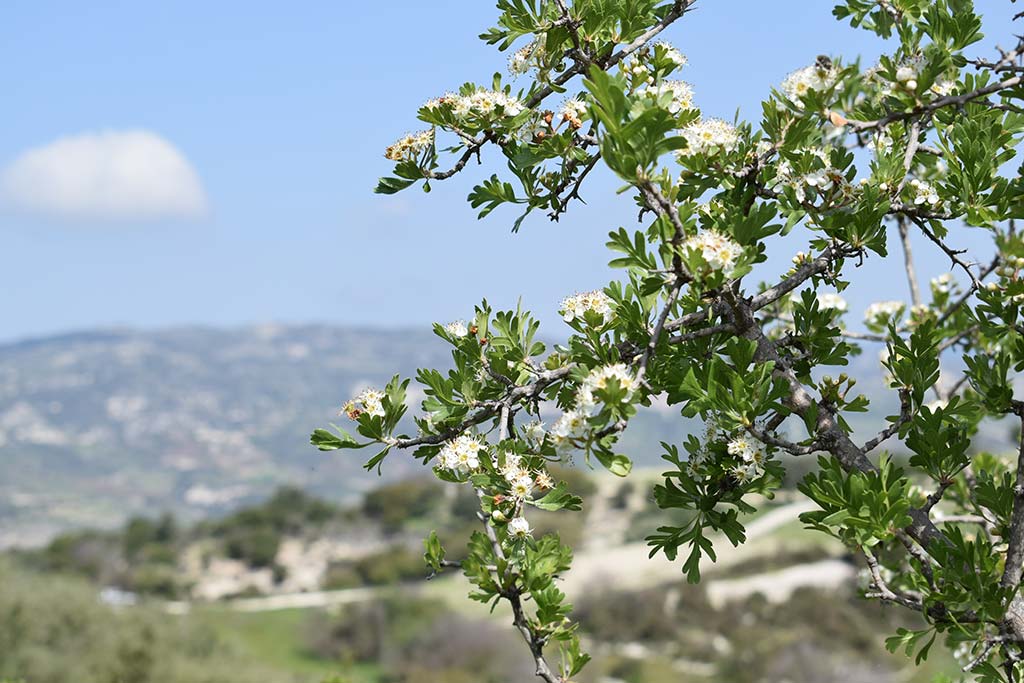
pixel 100 425
pixel 95 426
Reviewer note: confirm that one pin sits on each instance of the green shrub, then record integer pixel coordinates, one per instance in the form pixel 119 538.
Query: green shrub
pixel 255 545
pixel 394 565
pixel 155 579
pixel 394 504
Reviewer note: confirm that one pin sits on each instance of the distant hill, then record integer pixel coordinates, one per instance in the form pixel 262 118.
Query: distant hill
pixel 95 426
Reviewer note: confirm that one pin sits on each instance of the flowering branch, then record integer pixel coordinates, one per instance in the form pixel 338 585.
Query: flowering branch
pixel 684 324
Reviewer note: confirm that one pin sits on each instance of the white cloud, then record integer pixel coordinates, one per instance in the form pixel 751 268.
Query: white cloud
pixel 110 175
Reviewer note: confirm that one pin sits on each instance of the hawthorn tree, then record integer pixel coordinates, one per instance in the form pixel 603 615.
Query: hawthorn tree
pixel 856 161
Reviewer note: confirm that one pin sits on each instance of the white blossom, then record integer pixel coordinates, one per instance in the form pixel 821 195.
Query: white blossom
pixel 821 179
pixel 462 454
pixel 672 54
pixel 573 111
pixel 410 146
pixel 574 307
pixel 943 87
pixel 513 468
pixel 598 380
pixel 368 401
pixel 520 61
pixel 635 67
pixel 709 136
pixel 924 193
pixel 519 527
pixel 569 427
pixel 457 328
pixel 943 284
pixel 880 141
pixel 879 313
pixel 481 103
pixel 718 251
pixel 534 431
pixel 680 94
pixel 748 451
pixel 522 487
pixel 803 81
pixel 832 301
pixel 745 472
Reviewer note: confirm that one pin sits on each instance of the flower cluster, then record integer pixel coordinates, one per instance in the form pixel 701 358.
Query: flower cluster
pixel 880 313
pixel 520 480
pixel 598 379
pixel 680 94
pixel 1011 267
pixel 718 251
pixel 943 284
pixel 534 432
pixel 573 425
pixel 576 306
pixel 822 179
pixel 523 59
pixel 570 427
pixel 671 53
pixel 908 71
pixel 880 142
pixel 709 136
pixel 368 401
pixel 751 459
pixel 810 78
pixel 482 103
pixel 462 454
pixel 457 328
pixel 924 193
pixel 521 483
pixel 411 146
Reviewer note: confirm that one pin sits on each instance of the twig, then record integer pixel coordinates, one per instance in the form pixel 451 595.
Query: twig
pixel 953 254
pixel 934 105
pixel 902 419
pixel 788 446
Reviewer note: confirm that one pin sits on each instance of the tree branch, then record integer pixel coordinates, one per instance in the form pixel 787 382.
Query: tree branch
pixel 934 105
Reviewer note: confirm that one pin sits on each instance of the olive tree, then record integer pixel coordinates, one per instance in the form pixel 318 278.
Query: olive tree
pixel 855 161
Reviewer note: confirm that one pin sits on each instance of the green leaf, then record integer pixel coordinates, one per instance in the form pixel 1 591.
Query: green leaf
pixel 433 553
pixel 327 441
pixel 388 185
pixel 617 464
pixel 558 498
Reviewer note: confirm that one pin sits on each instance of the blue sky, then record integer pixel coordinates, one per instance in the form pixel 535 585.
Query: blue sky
pixel 283 115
